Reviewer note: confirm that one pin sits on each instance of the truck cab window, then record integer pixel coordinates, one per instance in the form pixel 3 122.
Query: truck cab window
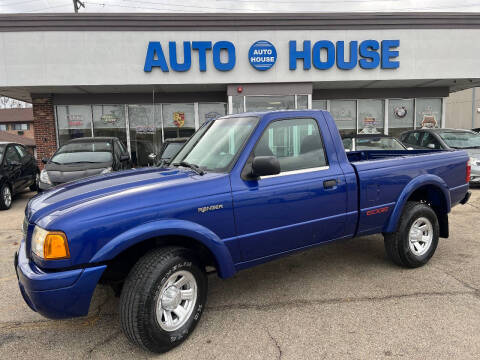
pixel 296 143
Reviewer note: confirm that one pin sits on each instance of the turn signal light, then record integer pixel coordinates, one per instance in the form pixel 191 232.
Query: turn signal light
pixel 56 246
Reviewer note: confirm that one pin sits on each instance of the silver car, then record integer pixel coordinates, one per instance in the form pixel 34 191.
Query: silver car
pixel 448 139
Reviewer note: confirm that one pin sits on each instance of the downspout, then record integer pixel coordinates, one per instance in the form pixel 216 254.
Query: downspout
pixel 473 108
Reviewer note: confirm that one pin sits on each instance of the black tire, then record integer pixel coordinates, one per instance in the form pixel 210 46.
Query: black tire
pixel 35 185
pixel 397 244
pixel 4 205
pixel 141 293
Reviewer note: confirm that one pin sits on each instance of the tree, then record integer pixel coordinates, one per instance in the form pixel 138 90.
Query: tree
pixel 9 103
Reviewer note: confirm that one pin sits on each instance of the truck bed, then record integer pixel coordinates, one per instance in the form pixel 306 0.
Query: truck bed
pixel 382 175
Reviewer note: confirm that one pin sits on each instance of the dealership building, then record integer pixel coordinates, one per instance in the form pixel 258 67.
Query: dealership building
pixel 145 78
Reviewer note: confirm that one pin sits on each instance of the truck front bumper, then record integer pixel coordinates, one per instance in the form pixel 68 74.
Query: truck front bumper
pixel 56 295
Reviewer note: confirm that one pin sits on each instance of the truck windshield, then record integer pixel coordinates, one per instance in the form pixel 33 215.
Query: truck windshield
pixel 461 140
pixel 216 146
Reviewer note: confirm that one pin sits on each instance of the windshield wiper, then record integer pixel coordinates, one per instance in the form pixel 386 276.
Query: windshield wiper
pixel 194 167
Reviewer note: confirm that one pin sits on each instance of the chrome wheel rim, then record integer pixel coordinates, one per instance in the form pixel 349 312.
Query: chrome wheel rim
pixel 176 300
pixel 7 196
pixel 420 236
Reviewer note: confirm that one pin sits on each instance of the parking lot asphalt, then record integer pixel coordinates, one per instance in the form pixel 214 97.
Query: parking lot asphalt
pixel 339 301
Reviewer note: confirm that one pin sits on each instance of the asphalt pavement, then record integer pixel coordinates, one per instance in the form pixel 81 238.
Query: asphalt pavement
pixel 338 301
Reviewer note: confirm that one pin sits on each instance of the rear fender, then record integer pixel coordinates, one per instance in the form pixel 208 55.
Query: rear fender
pixel 415 184
pixel 170 227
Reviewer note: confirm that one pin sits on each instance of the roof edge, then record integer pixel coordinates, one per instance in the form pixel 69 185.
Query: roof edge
pixel 234 21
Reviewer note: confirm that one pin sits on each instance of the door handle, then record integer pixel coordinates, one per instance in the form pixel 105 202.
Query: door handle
pixel 328 184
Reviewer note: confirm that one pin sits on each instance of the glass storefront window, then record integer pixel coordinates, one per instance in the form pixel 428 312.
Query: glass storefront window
pixel 144 137
pixel 269 103
pixel 178 120
pixel 428 113
pixel 344 113
pixel 400 116
pixel 302 102
pixel 370 116
pixel 210 111
pixel 237 104
pixel 74 121
pixel 319 104
pixel 109 120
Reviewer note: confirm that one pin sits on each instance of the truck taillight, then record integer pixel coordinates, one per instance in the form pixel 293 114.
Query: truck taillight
pixel 469 171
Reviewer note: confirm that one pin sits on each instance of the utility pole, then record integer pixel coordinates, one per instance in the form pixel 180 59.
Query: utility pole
pixel 77 4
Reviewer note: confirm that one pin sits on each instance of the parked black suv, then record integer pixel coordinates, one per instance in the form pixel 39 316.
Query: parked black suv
pixel 18 170
pixel 84 157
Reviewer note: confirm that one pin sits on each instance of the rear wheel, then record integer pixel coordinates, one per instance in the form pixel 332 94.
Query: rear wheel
pixel 163 298
pixel 417 236
pixel 5 197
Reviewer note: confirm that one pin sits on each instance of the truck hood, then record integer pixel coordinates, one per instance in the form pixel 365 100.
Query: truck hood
pixel 97 189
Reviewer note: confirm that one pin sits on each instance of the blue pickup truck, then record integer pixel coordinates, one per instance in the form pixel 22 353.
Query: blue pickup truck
pixel 244 190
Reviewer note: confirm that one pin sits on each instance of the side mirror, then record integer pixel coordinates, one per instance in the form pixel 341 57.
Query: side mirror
pixel 45 160
pixel 264 166
pixel 431 146
pixel 152 156
pixel 124 157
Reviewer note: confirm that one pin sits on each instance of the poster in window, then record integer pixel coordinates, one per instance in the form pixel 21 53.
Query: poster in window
pixel 179 118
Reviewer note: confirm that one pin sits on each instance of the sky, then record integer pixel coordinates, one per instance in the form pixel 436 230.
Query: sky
pixel 248 6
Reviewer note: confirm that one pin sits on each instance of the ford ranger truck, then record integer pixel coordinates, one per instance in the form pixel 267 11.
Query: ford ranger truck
pixel 244 190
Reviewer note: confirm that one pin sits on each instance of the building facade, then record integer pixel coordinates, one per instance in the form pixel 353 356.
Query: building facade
pixel 17 121
pixel 148 77
pixel 463 109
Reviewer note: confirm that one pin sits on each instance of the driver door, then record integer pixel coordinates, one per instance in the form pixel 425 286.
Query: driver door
pixel 13 166
pixel 303 205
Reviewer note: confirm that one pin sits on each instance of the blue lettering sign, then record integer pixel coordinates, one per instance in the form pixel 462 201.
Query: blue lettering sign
pixel 368 51
pixel 155 57
pixel 262 55
pixel 317 48
pixel 230 49
pixel 367 55
pixel 202 47
pixel 304 54
pixel 341 63
pixel 388 54
pixel 187 56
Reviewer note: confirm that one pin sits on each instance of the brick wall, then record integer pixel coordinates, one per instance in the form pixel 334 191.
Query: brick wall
pixel 44 124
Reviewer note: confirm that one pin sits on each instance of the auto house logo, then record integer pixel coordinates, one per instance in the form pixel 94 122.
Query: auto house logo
pixel 204 209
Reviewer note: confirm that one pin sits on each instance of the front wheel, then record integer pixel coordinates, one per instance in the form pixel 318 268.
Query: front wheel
pixel 163 298
pixel 417 236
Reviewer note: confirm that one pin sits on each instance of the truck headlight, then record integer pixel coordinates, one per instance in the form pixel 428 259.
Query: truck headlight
pixel 49 245
pixel 106 171
pixel 44 177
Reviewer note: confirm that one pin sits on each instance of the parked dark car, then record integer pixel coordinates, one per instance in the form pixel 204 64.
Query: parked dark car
pixel 18 170
pixel 371 142
pixel 448 139
pixel 170 148
pixel 84 157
